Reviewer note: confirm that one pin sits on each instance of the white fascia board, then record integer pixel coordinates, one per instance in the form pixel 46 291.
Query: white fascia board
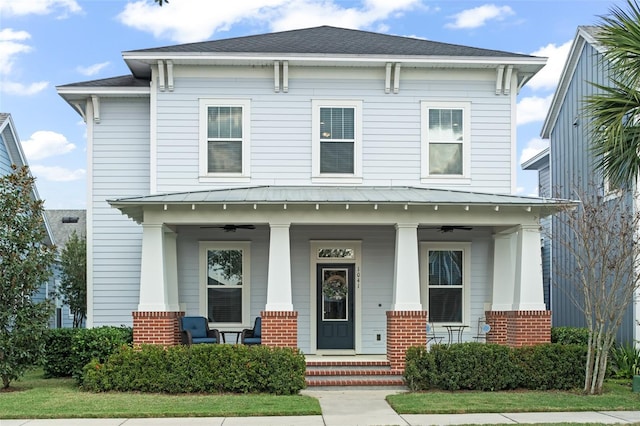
pixel 563 85
pixel 533 162
pixel 103 91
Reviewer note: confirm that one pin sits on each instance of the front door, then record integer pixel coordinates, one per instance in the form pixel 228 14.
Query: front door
pixel 335 290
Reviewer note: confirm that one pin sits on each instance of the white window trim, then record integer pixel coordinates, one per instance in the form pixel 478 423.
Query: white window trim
pixel 205 176
pixel 245 246
pixel 465 177
pixel 329 178
pixel 465 247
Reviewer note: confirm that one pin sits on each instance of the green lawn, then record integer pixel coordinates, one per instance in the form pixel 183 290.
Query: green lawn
pixel 35 397
pixel 617 396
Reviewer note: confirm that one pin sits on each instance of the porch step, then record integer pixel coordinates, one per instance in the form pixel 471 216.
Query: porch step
pixel 352 373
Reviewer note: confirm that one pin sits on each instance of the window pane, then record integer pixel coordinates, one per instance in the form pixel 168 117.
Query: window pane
pixel 335 294
pixel 336 253
pixel 336 157
pixel 445 304
pixel 224 267
pixel 224 122
pixel 337 123
pixel 445 125
pixel 445 267
pixel 224 304
pixel 225 157
pixel 445 159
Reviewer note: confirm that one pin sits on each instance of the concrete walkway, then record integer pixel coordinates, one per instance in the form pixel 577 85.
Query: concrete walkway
pixel 354 408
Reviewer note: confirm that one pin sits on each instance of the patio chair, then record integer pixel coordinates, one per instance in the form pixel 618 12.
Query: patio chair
pixel 252 336
pixel 431 335
pixel 195 330
pixel 483 329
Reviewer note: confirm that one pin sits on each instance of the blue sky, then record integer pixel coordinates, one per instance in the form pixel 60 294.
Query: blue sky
pixel 46 43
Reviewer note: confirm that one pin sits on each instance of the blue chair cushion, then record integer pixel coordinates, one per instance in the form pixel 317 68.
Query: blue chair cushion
pixel 257 328
pixel 251 341
pixel 196 325
pixel 204 340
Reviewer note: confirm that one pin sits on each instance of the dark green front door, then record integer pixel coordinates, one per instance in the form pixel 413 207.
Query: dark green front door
pixel 335 305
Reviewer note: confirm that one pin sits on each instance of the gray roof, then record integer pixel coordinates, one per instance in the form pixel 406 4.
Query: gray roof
pixel 120 81
pixel 62 231
pixel 132 206
pixel 331 40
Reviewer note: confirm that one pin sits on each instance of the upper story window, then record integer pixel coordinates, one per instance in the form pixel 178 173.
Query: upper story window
pixel 446 146
pixel 224 137
pixel 337 140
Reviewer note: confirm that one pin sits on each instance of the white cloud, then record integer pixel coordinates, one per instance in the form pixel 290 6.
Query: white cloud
pixel 198 20
pixel 37 7
pixel 533 108
pixel 548 77
pixel 10 46
pixel 44 143
pixel 14 88
pixel 534 146
pixel 478 16
pixel 57 174
pixel 92 69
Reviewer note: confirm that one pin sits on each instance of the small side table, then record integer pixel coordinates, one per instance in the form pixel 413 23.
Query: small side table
pixel 224 335
pixel 459 329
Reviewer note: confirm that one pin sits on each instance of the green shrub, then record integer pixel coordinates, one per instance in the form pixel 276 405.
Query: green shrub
pixel 625 361
pixel 552 366
pixel 570 335
pixel 58 358
pixel 197 369
pixel 478 366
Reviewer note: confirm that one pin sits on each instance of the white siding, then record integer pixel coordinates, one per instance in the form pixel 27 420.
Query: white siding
pixel 281 125
pixel 120 168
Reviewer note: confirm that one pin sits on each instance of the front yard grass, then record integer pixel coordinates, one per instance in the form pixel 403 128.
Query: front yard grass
pixel 35 397
pixel 617 396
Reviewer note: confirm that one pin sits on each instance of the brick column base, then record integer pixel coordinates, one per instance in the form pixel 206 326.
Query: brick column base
pixel 404 329
pixel 498 322
pixel 159 328
pixel 519 328
pixel 526 328
pixel 280 328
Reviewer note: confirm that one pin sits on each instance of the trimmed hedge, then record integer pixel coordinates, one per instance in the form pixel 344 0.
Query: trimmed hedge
pixel 570 335
pixel 491 367
pixel 199 369
pixel 68 350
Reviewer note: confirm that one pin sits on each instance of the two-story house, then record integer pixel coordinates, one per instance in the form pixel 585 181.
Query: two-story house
pixel 571 166
pixel 346 186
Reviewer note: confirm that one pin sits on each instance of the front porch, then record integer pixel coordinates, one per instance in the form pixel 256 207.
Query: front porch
pixel 398 264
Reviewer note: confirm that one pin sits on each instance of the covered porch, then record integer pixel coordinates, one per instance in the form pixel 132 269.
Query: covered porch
pixel 343 270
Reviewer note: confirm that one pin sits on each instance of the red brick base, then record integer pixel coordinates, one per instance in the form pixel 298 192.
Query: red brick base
pixel 404 329
pixel 280 328
pixel 519 328
pixel 160 328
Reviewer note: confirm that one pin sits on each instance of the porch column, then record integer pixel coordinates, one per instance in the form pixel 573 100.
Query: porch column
pixel 279 320
pixel 156 320
pixel 406 322
pixel 529 292
pixel 503 286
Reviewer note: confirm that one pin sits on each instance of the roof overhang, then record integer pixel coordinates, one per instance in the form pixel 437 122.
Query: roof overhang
pixel 317 197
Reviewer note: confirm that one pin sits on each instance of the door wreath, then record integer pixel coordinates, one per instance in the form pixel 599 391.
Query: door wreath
pixel 335 287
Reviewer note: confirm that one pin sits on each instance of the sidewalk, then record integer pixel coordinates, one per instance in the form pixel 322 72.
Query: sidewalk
pixel 354 408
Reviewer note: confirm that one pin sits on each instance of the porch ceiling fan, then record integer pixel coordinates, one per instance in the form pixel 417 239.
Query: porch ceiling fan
pixel 230 227
pixel 451 228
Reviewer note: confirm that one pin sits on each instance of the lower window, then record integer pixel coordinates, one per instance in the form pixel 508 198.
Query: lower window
pixel 446 281
pixel 225 282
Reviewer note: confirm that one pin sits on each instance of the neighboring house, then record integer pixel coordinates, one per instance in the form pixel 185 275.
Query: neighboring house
pixel 343 185
pixel 11 154
pixel 63 224
pixel 569 166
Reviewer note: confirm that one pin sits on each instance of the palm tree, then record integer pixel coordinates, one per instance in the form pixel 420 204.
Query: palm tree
pixel 615 110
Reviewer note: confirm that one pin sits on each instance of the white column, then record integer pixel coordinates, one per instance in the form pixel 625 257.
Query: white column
pixel 158 272
pixel 279 275
pixel 504 273
pixel 406 279
pixel 528 292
